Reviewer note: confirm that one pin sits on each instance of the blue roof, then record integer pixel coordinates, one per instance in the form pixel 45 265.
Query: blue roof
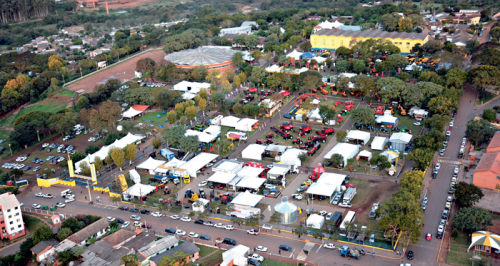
pixel 308 55
pixel 348 27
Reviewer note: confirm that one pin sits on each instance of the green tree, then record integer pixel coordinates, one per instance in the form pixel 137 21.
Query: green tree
pixel 467 195
pixel 111 138
pixel 363 115
pixel 157 142
pixel 340 135
pixel 306 46
pixel 189 144
pixel 478 129
pixel 456 78
pixel 130 260
pixel 326 112
pixel 118 156
pixel 172 117
pixel 174 134
pixel 91 149
pixel 178 258
pixel 337 159
pixel 257 76
pixel 64 233
pixel 359 66
pixel 472 219
pixel 421 157
pixel 191 113
pixel 130 152
pixel 275 218
pixel 489 115
pixel 41 234
pixel 412 182
pixel 77 251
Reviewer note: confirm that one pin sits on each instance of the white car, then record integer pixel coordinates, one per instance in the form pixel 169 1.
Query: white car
pixel 448 133
pixel 449 199
pixel 416 123
pixel 208 223
pixel 270 186
pixel 48 196
pixel 345 205
pixel 438 166
pixel 193 235
pixel 39 194
pixel 448 205
pixel 110 219
pixel 186 219
pixel 45 145
pixel 36 206
pixel 156 214
pixel 180 232
pixel 451 124
pixel 329 216
pixel 70 200
pixel 135 217
pixel 322 213
pixel 137 224
pixel 297 196
pixel 456 170
pixel 464 141
pixel 203 183
pixel 219 225
pixel 125 224
pixel 229 227
pixel 256 257
pixel 60 205
pixel 253 232
pixel 329 245
pixel 440 228
pixel 261 248
pixel 174 217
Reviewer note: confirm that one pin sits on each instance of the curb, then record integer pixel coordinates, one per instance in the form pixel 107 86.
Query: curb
pixel 482 105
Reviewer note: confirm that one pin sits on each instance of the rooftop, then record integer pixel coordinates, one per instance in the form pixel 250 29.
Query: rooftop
pixel 140 241
pixel 156 246
pixel 186 247
pixel 8 200
pixel 89 231
pixel 495 142
pixel 489 162
pixel 372 34
pixel 43 245
pixel 118 237
pixel 206 55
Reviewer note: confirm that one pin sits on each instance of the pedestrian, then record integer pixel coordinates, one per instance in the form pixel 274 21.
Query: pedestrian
pixel 30 189
pixel 397 251
pixel 85 197
pixel 279 231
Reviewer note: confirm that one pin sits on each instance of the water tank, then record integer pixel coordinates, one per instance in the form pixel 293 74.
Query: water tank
pixel 287 210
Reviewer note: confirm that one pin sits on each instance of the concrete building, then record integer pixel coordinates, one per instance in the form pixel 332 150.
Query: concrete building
pixel 11 218
pixel 95 229
pixel 333 39
pixel 44 249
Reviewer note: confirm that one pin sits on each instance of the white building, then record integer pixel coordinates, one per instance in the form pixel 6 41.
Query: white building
pixel 245 28
pixel 347 151
pixel 237 255
pixel 12 219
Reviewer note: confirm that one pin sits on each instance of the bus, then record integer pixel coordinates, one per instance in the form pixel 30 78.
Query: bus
pixel 349 218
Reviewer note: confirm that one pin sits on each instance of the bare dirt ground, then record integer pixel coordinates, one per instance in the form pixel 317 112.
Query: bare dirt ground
pixel 375 195
pixel 121 71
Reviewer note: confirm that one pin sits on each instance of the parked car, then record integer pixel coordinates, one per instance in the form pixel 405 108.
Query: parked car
pixel 285 248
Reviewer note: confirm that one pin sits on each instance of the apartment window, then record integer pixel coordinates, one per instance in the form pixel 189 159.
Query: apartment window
pixel 11 222
pixel 8 210
pixel 10 216
pixel 19 226
pixel 12 229
pixel 1 222
pixel 14 234
pixel 407 43
pixel 17 214
pixel 498 176
pixel 20 232
pixel 497 186
pixel 18 220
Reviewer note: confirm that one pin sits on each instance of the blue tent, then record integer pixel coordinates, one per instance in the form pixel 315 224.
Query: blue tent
pixel 307 55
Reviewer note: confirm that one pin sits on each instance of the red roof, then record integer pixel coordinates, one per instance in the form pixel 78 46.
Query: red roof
pixel 140 107
pixel 489 162
pixel 495 141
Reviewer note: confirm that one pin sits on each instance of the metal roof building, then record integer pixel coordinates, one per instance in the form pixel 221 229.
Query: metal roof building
pixel 211 57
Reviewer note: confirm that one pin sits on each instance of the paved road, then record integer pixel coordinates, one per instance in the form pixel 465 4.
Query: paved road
pixel 11 249
pixel 272 240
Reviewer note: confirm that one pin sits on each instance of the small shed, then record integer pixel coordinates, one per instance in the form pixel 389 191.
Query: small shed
pixel 315 221
pixel 399 141
pixel 378 143
pixel 253 152
pixel 365 155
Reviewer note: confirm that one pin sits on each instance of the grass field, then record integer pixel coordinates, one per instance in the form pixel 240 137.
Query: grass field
pixel 213 259
pixel 32 223
pixel 52 104
pixel 458 255
pixel 204 250
pixel 7 121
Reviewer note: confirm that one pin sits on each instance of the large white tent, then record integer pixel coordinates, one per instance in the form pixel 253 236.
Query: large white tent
pixel 318 59
pixel 359 136
pixel 314 116
pixel 331 179
pixel 206 138
pixel 378 143
pixel 246 124
pixel 251 182
pixel 150 164
pixel 221 177
pixel 347 151
pixel 191 132
pixel 250 171
pixel 291 156
pixel 134 176
pixel 171 165
pixel 316 221
pixel 278 170
pixel 253 152
pixel 273 68
pixel 387 119
pixel 193 87
pixel 229 121
pixel 198 162
pixel 213 130
pixel 131 113
pixel 139 190
pixel 294 54
pixel 103 152
pixel 227 166
pixel 247 199
pixel 319 189
pixel 400 140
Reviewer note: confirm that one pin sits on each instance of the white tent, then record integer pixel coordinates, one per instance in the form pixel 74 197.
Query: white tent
pixel 249 171
pixel 253 152
pixel 139 190
pixel 246 124
pixel 150 164
pixel 318 59
pixel 221 177
pixel 273 68
pixel 206 138
pixel 251 182
pixel 247 56
pixel 319 189
pixel 365 153
pixel 188 96
pixel 227 166
pixel 195 87
pixel 191 132
pixel 278 170
pixel 387 119
pixel 199 205
pixel 316 221
pixel 347 151
pixel 357 135
pixel 247 199
pixel 378 143
pixel 198 162
pixel 400 140
pixel 103 152
pixel 291 157
pixel 131 113
pixel 330 25
pixel 335 180
pixel 347 75
pixel 213 130
pixel 134 176
pixel 314 116
pixel 295 54
pixel 229 121
pixel 172 165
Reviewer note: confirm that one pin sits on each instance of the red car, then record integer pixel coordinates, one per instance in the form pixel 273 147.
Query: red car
pixel 428 237
pixel 148 226
pixel 349 185
pixel 220 186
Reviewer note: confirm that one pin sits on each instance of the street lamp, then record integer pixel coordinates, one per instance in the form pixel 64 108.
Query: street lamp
pixel 37 133
pixel 10 150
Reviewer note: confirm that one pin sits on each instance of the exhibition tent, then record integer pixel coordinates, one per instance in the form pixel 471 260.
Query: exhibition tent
pixel 273 68
pixel 316 221
pixel 400 140
pixel 227 166
pixel 291 156
pixel 131 113
pixel 253 152
pixel 198 162
pixel 194 87
pixel 206 138
pixel 213 130
pixel 246 124
pixel 150 164
pixel 278 170
pixel 229 121
pixel 365 154
pixel 139 190
pixel 171 165
pixel 319 189
pixel 307 55
pixel 248 199
pixel 359 136
pixel 221 177
pixel 251 182
pixel 295 54
pixel 378 143
pixel 347 151
pixel 250 171
pixel 191 132
pixel 387 119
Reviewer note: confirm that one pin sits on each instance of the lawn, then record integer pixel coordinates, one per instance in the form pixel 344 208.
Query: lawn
pixel 151 118
pixel 275 263
pixel 486 96
pixel 363 190
pixel 32 223
pixel 7 121
pixel 66 93
pixel 4 134
pixel 213 259
pixel 457 253
pixel 204 250
pixel 47 105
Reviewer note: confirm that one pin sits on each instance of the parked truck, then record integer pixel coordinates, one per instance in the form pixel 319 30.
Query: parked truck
pixel 349 194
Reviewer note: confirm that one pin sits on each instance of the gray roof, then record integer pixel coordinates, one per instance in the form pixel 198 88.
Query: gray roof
pixel 186 247
pixel 89 231
pixel 140 241
pixel 119 236
pixel 349 27
pixel 43 245
pixel 104 252
pixel 206 55
pixel 248 23
pixel 157 246
pixel 273 147
pixel 372 34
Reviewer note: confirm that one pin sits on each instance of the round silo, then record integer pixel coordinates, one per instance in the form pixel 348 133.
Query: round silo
pixel 287 210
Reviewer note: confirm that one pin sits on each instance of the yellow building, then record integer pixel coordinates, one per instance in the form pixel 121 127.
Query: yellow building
pixel 465 19
pixel 333 39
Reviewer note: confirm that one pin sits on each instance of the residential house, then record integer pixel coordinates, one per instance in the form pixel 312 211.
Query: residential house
pixel 487 173
pixel 92 41
pixel 237 255
pixel 120 237
pixel 98 52
pixel 44 250
pixel 95 229
pixel 103 253
pixel 157 247
pixel 469 11
pixel 262 43
pixel 312 18
pixel 11 219
pixel 188 248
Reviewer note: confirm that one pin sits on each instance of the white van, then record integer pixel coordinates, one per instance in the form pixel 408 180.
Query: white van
pixel 66 192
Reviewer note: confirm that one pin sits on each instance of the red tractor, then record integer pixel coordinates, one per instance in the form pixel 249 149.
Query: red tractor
pixel 326 131
pixel 318 138
pixel 297 141
pixel 259 141
pixel 314 149
pixel 286 126
pixel 270 135
pixel 306 145
pixel 305 129
pixel 252 90
pixel 269 141
pixel 287 135
pixel 250 97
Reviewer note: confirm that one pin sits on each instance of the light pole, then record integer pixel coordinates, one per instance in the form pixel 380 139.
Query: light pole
pixel 37 133
pixel 88 187
pixel 10 150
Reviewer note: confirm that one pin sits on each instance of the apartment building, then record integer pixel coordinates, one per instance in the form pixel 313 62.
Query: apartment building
pixel 11 219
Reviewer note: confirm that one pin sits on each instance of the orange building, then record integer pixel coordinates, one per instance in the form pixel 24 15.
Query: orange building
pixel 487 173
pixel 211 57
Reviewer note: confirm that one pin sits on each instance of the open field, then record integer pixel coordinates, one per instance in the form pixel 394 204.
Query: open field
pixel 204 250
pixel 122 71
pixel 213 259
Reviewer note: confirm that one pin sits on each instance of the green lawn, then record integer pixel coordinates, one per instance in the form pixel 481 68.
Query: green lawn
pixel 204 250
pixel 275 263
pixel 146 118
pixel 486 96
pixel 47 106
pixel 66 93
pixel 213 259
pixel 7 121
pixel 32 223
pixel 4 134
